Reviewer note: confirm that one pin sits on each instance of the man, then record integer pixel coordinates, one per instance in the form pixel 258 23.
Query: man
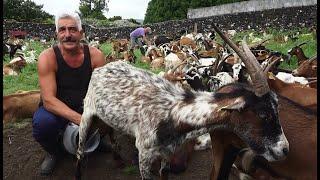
pixel 134 39
pixel 64 73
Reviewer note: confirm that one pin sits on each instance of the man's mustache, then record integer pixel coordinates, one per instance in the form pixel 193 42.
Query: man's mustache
pixel 69 39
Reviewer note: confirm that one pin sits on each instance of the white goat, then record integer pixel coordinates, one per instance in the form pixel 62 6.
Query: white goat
pixel 162 116
pixel 289 78
pixel 220 79
pixel 171 60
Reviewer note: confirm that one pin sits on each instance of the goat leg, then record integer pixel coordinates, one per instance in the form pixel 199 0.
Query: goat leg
pixel 86 120
pixel 115 149
pixel 164 170
pixel 145 161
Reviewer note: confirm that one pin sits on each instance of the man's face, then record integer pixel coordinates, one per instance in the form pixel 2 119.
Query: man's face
pixel 68 33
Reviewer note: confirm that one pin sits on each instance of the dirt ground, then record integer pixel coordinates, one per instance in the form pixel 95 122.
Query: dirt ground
pixel 22 157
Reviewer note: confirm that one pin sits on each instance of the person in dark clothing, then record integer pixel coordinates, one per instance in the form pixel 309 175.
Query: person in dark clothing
pixel 64 73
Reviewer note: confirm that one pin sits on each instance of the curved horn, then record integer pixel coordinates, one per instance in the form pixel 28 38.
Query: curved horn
pixel 259 80
pixel 221 62
pixel 266 70
pixel 312 58
pixel 176 67
pixel 302 44
pixel 259 43
pixel 311 82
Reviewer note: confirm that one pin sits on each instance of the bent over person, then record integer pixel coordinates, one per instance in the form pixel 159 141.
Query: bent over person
pixel 64 73
pixel 134 39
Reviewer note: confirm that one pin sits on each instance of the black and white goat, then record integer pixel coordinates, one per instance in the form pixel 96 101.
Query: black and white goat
pixel 162 116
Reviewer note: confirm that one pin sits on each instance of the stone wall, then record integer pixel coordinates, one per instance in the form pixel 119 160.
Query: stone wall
pixel 283 18
pixel 247 6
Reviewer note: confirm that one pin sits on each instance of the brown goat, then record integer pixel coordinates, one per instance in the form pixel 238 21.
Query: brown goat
pixel 297 51
pixel 301 161
pixel 15 67
pixel 146 59
pixel 157 63
pixel 300 127
pixel 128 56
pixel 185 41
pixel 20 105
pixel 307 68
pixel 305 96
pixel 119 45
pixel 225 147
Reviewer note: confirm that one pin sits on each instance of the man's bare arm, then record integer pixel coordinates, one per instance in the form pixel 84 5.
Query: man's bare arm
pixel 48 88
pixel 97 58
pixel 146 40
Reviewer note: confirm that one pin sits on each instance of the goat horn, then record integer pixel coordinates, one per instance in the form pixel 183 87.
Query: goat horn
pixel 259 43
pixel 302 44
pixel 266 70
pixel 223 60
pixel 176 67
pixel 313 58
pixel 311 82
pixel 216 63
pixel 259 80
pixel 311 78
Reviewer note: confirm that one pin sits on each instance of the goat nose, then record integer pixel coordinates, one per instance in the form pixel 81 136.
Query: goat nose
pixel 285 151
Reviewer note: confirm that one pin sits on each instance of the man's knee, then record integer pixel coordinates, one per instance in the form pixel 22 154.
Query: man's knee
pixel 46 125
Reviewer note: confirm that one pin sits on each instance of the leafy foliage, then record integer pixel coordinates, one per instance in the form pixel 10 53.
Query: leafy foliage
pixel 93 8
pixel 115 18
pixel 25 10
pixel 164 10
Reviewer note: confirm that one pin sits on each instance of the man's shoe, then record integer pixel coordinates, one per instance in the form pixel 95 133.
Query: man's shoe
pixel 48 164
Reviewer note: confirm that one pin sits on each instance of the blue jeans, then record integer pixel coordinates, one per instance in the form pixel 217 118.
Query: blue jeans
pixel 48 130
pixel 135 41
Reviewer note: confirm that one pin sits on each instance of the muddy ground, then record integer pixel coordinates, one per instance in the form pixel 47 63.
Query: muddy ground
pixel 22 157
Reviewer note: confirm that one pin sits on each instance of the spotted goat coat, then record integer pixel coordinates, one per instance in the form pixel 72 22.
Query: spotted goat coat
pixel 160 115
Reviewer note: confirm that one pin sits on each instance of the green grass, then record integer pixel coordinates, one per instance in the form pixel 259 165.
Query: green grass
pixel 131 170
pixel 28 79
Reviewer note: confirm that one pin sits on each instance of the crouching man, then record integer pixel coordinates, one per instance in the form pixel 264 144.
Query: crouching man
pixel 64 73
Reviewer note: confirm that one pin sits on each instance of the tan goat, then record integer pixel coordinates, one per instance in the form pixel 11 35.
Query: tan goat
pixel 20 105
pixel 15 67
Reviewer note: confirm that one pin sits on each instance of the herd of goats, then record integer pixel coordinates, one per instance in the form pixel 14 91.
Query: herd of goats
pixel 260 120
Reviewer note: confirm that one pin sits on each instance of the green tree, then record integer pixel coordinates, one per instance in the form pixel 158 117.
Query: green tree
pixel 164 10
pixel 24 10
pixel 93 8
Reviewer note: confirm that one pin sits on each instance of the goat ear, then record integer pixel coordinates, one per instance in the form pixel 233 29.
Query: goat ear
pixel 271 75
pixel 237 104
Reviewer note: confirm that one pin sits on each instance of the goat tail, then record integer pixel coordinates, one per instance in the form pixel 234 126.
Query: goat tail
pixel 86 120
pixel 78 170
pixel 85 123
